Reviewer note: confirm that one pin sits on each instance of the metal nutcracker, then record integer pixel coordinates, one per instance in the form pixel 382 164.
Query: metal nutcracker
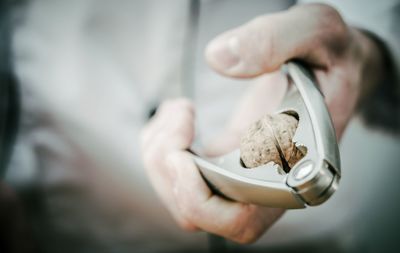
pixel 311 181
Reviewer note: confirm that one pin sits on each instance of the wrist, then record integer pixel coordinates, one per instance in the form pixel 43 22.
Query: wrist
pixel 371 57
pixel 379 103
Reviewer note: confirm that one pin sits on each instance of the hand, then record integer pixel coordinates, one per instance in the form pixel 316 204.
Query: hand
pixel 180 186
pixel 346 62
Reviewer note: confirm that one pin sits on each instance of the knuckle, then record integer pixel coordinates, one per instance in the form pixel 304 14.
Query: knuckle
pixel 186 225
pixel 333 22
pixel 246 230
pixel 182 141
pixel 183 126
pixel 329 12
pixel 184 117
pixel 188 211
pixel 178 136
pixel 186 107
pixel 331 33
pixel 247 236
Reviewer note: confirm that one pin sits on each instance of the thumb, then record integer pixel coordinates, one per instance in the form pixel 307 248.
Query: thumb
pixel 266 42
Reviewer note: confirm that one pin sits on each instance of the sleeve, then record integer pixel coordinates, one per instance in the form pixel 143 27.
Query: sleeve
pixel 379 20
pixel 9 104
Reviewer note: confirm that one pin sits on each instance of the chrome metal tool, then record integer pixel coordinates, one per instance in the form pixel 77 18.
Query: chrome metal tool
pixel 311 181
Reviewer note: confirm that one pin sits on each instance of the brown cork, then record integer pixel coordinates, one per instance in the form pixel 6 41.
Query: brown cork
pixel 263 139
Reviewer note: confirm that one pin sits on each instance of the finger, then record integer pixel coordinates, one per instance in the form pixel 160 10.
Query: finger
pixel 178 137
pixel 173 129
pixel 170 129
pixel 265 43
pixel 162 180
pixel 198 206
pixel 171 116
pixel 153 124
pixel 163 114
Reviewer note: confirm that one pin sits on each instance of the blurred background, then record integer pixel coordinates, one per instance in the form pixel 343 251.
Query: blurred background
pixel 90 72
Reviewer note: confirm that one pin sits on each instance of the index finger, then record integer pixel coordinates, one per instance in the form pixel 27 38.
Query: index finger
pixel 240 222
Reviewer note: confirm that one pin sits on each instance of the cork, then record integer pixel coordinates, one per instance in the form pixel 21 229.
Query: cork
pixel 264 139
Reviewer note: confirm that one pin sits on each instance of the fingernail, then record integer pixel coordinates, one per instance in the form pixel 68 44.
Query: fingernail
pixel 224 52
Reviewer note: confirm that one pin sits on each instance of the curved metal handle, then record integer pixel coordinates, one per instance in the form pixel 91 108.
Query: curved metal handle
pixel 317 175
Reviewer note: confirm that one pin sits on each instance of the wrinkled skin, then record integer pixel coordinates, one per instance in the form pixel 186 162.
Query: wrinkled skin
pixel 346 63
